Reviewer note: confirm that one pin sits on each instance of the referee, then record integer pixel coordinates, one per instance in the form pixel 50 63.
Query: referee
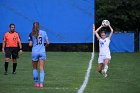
pixel 10 47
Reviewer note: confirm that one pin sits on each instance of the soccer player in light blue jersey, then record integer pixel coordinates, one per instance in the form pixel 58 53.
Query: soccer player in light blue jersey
pixel 37 39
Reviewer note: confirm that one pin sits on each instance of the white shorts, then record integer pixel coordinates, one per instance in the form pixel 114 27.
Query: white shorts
pixel 103 57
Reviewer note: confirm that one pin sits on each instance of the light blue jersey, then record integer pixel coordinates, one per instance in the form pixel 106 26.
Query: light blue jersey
pixel 38 49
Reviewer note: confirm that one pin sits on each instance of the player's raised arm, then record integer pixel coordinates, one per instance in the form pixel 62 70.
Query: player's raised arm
pixel 96 32
pixel 111 33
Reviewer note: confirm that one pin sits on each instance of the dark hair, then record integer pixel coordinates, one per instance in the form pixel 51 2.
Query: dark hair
pixel 11 25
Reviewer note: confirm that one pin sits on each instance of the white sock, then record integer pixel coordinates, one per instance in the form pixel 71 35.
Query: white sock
pixel 105 68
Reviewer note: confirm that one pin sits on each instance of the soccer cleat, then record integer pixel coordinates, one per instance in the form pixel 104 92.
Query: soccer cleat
pixel 103 72
pixel 5 73
pixel 105 75
pixel 13 73
pixel 41 85
pixel 36 84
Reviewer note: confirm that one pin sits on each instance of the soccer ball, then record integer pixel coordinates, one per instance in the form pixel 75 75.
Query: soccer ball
pixel 105 23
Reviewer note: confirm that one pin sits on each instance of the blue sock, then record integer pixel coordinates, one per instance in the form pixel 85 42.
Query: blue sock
pixel 35 75
pixel 42 74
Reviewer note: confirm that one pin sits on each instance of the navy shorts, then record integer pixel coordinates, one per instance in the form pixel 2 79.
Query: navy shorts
pixel 11 52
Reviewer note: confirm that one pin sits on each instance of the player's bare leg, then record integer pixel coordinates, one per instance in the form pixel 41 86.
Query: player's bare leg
pixel 99 68
pixel 34 63
pixel 41 64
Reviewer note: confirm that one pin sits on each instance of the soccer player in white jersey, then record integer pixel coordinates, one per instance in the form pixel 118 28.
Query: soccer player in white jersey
pixel 104 54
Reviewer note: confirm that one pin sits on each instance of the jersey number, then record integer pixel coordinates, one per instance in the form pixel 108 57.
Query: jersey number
pixel 39 41
pixel 101 44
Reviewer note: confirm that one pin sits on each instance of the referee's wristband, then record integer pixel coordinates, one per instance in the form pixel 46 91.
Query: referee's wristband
pixel 20 49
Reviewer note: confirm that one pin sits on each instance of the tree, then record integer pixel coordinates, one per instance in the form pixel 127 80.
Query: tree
pixel 123 14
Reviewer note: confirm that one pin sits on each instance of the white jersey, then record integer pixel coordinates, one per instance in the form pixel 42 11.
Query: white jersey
pixel 104 47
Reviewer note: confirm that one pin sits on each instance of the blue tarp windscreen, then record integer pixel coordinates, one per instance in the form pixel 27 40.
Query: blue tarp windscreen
pixel 122 42
pixel 65 21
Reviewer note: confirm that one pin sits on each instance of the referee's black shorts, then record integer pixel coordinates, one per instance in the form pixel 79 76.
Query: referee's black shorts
pixel 11 52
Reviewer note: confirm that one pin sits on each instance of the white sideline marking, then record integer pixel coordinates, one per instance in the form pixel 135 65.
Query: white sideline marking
pixel 83 86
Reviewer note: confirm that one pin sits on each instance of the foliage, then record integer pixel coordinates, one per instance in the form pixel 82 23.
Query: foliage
pixel 123 14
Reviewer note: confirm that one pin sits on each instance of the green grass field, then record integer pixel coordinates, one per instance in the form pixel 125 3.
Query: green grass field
pixel 65 72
